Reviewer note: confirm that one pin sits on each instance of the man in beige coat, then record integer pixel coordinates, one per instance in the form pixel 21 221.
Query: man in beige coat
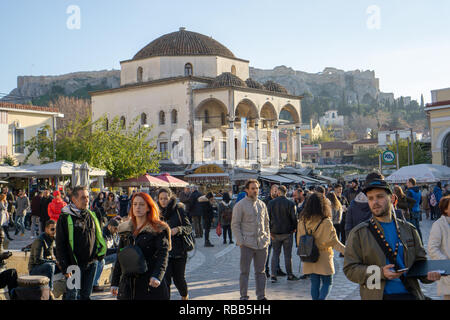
pixel 364 256
pixel 250 227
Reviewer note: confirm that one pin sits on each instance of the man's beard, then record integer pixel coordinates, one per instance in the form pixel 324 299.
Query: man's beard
pixel 383 213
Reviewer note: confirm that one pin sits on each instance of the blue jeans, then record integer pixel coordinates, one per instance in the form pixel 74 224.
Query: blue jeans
pixel 317 292
pixel 19 223
pixel 111 258
pixel 46 269
pixel 415 222
pixel 87 283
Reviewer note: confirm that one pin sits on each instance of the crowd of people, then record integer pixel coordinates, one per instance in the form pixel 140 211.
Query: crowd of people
pixel 147 237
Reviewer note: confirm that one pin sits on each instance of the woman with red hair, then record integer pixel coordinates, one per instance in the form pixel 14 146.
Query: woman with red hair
pixel 145 230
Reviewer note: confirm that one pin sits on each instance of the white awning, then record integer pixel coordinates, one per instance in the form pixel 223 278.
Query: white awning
pixel 277 178
pixel 298 178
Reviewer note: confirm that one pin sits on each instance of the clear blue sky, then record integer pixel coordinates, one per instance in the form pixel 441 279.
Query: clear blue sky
pixel 409 51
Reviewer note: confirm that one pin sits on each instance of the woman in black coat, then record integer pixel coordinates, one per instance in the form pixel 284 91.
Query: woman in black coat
pixel 144 229
pixel 174 215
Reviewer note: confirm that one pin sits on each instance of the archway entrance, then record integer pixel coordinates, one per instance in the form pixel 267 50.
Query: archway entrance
pixel 446 151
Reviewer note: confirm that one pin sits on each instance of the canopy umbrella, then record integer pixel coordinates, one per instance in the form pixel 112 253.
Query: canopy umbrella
pixel 143 181
pixel 172 181
pixel 84 174
pixel 423 173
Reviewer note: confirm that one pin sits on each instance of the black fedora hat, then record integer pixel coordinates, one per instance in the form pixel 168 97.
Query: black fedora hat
pixel 377 184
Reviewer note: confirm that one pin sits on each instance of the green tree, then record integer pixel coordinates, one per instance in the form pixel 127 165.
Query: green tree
pixel 123 152
pixel 8 160
pixel 367 157
pixel 420 155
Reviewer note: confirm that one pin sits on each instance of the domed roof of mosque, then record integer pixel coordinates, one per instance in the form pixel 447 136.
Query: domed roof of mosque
pixel 273 86
pixel 227 79
pixel 183 43
pixel 253 84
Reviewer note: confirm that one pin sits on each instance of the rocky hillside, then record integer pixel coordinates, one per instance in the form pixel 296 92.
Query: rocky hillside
pixel 350 86
pixel 40 90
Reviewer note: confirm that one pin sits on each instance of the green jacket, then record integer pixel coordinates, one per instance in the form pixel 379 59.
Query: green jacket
pixel 362 251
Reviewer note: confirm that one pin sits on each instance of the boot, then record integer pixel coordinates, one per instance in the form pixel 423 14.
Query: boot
pixel 208 244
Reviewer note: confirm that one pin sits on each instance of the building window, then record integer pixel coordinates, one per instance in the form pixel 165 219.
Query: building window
pixel 19 140
pixel 140 72
pixel 188 71
pixel 143 118
pixel 207 149
pixel 223 119
pixel 162 117
pixel 265 150
pixel 163 149
pixel 388 138
pixel 224 149
pixel 327 154
pixel 123 122
pixel 174 116
pixel 233 70
pixel 206 116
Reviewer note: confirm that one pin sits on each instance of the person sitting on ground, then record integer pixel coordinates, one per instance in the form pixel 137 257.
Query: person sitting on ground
pixel 42 256
pixel 110 235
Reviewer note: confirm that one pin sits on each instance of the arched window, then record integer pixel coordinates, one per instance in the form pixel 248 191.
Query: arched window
pixel 123 122
pixel 174 116
pixel 143 118
pixel 162 117
pixel 233 70
pixel 206 116
pixel 223 118
pixel 188 71
pixel 140 72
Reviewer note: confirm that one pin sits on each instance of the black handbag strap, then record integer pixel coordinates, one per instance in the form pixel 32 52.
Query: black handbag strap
pixel 387 253
pixel 306 230
pixel 392 259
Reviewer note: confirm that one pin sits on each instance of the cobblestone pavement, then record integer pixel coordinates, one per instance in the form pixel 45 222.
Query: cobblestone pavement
pixel 213 274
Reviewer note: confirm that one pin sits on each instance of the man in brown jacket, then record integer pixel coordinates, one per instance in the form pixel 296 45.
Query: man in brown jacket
pixel 382 276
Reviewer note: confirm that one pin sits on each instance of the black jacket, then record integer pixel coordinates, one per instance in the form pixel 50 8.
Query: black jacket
pixel 155 246
pixel 282 217
pixel 206 210
pixel 172 215
pixel 84 239
pixel 42 250
pixel 195 209
pixel 351 194
pixel 43 217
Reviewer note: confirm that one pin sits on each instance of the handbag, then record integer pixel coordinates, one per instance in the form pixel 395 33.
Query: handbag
pixel 307 249
pixel 219 229
pixel 132 260
pixel 188 239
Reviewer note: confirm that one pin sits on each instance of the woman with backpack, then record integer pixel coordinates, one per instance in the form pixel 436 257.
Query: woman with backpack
pixel 404 203
pixel 225 214
pixel 173 214
pixel 315 221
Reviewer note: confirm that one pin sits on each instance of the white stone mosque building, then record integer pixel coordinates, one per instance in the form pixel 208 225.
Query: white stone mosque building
pixel 198 97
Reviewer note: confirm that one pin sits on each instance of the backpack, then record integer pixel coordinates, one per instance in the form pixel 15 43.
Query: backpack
pixel 307 249
pixel 226 214
pixel 433 201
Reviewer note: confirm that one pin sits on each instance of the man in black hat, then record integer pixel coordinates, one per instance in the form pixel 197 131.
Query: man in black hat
pixel 387 243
